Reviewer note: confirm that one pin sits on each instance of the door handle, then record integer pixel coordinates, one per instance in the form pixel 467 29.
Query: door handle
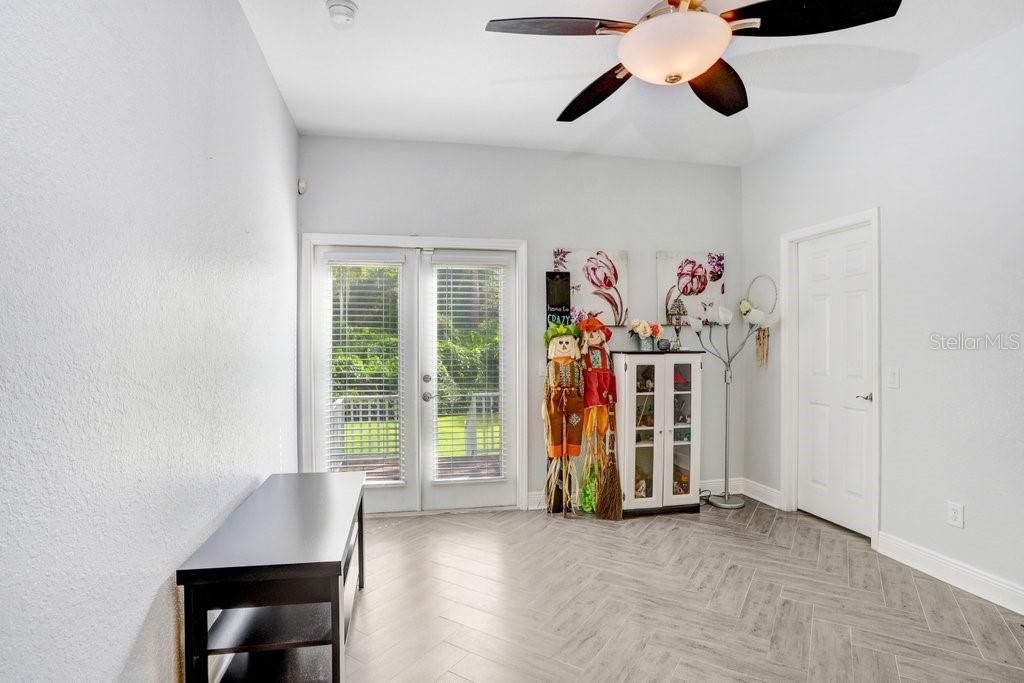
pixel 427 396
pixel 870 397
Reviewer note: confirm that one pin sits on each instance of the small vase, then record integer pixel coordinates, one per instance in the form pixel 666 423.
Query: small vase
pixel 646 344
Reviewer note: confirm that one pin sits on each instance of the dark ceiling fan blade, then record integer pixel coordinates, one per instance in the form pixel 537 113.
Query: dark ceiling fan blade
pixel 558 26
pixel 596 93
pixel 721 88
pixel 807 17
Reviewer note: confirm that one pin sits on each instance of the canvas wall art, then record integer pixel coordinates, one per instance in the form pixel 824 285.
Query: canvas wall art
pixel 598 283
pixel 697 279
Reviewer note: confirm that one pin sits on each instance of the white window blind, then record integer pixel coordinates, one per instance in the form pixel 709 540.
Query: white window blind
pixel 469 424
pixel 365 420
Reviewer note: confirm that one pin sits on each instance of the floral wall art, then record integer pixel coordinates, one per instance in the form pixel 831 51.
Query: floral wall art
pixel 696 278
pixel 598 282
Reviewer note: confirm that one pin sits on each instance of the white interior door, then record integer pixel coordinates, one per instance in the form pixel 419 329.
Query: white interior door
pixel 414 353
pixel 838 370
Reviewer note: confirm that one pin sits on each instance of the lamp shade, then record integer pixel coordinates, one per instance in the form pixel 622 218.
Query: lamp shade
pixel 675 47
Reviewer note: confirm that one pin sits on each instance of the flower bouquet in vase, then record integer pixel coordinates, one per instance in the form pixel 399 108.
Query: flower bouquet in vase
pixel 646 333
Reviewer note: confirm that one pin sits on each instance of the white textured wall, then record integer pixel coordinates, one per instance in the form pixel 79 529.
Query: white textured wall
pixel 550 200
pixel 147 316
pixel 944 160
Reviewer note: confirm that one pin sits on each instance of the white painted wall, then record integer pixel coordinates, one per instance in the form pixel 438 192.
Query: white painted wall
pixel 547 198
pixel 147 300
pixel 943 158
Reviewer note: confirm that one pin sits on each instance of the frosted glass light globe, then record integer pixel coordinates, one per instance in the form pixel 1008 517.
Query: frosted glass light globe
pixel 674 48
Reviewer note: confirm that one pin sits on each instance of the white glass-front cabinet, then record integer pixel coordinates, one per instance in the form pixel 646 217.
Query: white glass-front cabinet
pixel 658 429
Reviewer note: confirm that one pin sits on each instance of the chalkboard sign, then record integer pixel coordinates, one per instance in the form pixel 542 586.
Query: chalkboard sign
pixel 558 310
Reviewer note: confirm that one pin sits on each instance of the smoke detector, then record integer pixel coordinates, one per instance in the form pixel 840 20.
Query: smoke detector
pixel 342 12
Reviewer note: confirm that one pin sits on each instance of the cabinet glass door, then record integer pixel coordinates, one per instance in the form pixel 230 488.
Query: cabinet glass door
pixel 644 484
pixel 680 475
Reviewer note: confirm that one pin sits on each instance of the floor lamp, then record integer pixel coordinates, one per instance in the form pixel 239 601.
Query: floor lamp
pixel 756 320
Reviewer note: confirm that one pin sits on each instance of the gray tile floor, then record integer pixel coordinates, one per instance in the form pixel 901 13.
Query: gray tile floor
pixel 752 594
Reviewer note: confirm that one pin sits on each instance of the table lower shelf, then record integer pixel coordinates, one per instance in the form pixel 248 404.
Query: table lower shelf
pixel 302 665
pixel 261 629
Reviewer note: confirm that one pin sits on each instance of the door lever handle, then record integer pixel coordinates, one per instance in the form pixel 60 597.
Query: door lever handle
pixel 427 396
pixel 869 397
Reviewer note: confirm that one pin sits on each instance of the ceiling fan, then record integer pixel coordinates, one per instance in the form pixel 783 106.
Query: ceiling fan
pixel 679 41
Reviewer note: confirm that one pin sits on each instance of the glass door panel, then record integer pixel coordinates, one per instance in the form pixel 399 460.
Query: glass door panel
pixel 682 394
pixel 644 479
pixel 643 473
pixel 682 435
pixel 680 470
pixel 682 412
pixel 467 362
pixel 682 377
pixel 365 410
pixel 682 478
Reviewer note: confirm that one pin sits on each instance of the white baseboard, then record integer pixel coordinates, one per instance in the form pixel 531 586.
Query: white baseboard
pixel 759 491
pixel 960 574
pixel 748 487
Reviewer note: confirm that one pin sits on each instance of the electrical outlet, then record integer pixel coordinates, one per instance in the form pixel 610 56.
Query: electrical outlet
pixel 892 378
pixel 955 514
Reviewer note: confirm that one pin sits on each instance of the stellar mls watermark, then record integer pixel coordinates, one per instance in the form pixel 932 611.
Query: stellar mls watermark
pixel 989 341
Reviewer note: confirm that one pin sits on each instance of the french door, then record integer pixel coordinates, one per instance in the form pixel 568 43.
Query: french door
pixel 413 375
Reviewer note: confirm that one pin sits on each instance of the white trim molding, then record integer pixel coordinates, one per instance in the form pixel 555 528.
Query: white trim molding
pixel 960 574
pixel 747 487
pixel 789 358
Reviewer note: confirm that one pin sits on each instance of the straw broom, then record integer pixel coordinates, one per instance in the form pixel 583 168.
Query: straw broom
pixel 609 489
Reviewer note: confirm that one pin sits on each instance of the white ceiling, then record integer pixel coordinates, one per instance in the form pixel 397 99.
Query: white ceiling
pixel 419 70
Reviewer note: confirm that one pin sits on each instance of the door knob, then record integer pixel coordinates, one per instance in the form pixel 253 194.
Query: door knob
pixel 869 397
pixel 427 396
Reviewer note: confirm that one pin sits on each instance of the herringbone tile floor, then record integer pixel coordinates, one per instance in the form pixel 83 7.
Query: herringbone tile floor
pixel 752 594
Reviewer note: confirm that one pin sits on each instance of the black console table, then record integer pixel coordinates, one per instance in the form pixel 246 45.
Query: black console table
pixel 284 569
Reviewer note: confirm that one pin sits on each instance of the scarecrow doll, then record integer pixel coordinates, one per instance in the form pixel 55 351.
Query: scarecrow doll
pixel 601 484
pixel 563 415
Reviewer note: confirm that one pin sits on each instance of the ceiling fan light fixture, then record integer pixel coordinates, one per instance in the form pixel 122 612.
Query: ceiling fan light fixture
pixel 675 47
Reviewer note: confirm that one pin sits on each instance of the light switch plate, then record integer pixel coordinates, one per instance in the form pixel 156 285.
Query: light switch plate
pixel 955 514
pixel 892 378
